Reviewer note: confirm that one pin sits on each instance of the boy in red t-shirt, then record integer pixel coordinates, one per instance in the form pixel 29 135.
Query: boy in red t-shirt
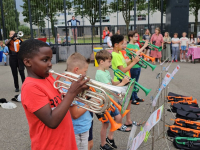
pixel 50 124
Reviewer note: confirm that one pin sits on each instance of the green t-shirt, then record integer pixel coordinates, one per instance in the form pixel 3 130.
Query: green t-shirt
pixel 104 77
pixel 135 47
pixel 118 60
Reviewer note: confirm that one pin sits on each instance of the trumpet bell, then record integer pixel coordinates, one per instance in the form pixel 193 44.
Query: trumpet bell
pixel 114 125
pixel 20 34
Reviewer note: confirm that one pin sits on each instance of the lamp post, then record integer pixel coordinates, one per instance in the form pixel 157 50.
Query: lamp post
pixel 135 14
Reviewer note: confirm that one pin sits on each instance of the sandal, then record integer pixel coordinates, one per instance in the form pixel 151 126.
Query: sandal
pixel 134 123
pixel 139 100
pixel 134 102
pixel 123 128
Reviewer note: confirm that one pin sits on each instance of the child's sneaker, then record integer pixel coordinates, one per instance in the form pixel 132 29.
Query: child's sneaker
pixel 176 60
pixel 172 60
pixel 105 147
pixel 111 143
pixel 189 60
pixel 184 60
pixel 181 60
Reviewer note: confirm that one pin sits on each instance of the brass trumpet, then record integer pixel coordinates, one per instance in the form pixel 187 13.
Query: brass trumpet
pixel 99 101
pixel 20 34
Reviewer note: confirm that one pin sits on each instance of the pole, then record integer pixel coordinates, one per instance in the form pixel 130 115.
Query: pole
pixel 161 16
pixel 100 22
pixel 30 18
pixel 117 14
pixel 83 22
pixel 16 15
pixel 48 20
pixel 3 21
pixel 0 33
pixel 148 13
pixel 65 22
pixel 134 14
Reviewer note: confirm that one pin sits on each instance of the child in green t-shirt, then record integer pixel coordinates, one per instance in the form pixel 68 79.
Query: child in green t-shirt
pixel 118 62
pixel 136 69
pixel 103 75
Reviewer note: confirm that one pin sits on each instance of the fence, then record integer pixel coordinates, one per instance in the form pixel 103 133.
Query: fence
pixel 39 17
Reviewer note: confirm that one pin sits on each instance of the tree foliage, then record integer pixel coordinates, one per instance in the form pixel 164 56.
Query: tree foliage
pixel 125 6
pixel 44 9
pixel 90 9
pixel 11 16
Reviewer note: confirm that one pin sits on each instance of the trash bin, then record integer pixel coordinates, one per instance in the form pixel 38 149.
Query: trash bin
pixel 96 49
pixel 1 56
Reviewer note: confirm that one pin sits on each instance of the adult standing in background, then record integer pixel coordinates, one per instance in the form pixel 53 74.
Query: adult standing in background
pixel 157 39
pixel 74 27
pixel 105 34
pixel 15 64
pixel 147 37
pixel 166 52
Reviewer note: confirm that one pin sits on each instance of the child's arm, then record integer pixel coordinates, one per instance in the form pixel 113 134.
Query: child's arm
pixel 52 118
pixel 134 61
pixel 77 111
pixel 145 45
pixel 125 80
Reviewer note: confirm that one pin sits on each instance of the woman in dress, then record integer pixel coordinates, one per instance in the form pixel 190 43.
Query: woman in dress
pixel 166 52
pixel 157 39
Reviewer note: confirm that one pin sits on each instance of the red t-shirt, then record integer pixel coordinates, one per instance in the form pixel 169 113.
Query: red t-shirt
pixel 36 93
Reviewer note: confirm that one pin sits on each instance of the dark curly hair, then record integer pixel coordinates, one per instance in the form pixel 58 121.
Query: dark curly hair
pixel 116 39
pixel 30 47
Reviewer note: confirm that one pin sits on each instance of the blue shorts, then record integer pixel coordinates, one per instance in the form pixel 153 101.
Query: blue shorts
pixel 183 48
pixel 113 114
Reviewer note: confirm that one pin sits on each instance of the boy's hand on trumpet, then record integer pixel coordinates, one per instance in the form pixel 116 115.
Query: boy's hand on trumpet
pixel 125 80
pixel 135 59
pixel 78 86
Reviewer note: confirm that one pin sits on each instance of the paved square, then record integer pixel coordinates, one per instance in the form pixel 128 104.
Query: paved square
pixel 14 132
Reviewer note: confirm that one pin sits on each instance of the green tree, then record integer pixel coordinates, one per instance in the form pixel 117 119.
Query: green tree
pixel 11 16
pixel 194 8
pixel 44 9
pixel 125 6
pixel 90 9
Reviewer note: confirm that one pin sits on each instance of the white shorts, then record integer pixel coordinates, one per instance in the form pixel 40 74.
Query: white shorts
pixel 82 140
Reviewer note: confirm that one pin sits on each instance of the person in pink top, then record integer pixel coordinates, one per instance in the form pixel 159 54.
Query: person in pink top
pixel 157 39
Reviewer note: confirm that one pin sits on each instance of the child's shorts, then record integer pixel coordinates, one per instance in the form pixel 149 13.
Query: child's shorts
pixel 183 48
pixel 113 114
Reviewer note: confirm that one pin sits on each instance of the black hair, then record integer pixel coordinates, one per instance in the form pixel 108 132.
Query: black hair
pixel 30 47
pixel 193 36
pixel 116 39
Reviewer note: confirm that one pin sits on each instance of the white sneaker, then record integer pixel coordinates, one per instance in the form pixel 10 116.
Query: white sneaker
pixel 184 60
pixel 189 60
pixel 181 60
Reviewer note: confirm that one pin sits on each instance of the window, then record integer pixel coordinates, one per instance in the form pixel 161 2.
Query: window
pixel 70 13
pixel 104 19
pixel 192 27
pixel 141 17
pixel 131 17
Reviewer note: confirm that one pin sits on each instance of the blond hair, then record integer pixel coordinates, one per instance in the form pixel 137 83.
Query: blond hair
pixel 76 60
pixel 149 32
